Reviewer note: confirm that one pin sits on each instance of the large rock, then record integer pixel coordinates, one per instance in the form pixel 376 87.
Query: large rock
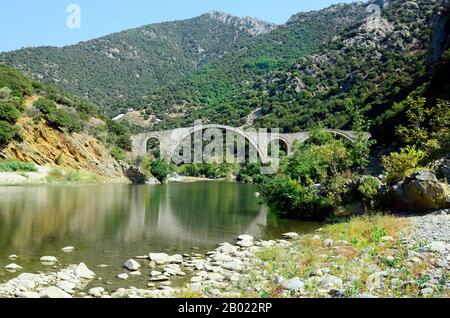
pixel 420 192
pixel 82 271
pixel 54 292
pixel 132 265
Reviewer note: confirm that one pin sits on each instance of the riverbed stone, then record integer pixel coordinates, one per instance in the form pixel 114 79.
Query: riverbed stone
pixel 290 235
pixel 438 247
pixel 13 267
pixel 82 271
pixel 66 286
pixel 227 248
pixel 28 294
pixel 132 265
pixel 294 284
pixel 54 292
pixel 96 291
pixel 331 282
pixel 13 257
pixel 245 237
pixel 123 276
pixel 48 259
pixel 68 249
pixel 159 257
pixel 245 243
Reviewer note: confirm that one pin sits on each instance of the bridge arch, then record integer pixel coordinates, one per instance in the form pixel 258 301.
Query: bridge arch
pixel 253 142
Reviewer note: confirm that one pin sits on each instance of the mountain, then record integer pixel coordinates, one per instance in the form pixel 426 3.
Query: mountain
pixel 43 125
pixel 370 65
pixel 213 84
pixel 126 64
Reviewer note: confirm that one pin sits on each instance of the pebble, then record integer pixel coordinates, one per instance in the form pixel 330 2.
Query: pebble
pixel 290 235
pixel 96 291
pixel 48 259
pixel 123 276
pixel 68 249
pixel 132 265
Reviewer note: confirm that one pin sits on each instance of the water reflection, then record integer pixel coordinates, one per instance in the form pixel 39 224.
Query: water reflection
pixel 117 220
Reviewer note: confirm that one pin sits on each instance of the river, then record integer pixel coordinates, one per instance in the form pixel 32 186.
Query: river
pixel 107 224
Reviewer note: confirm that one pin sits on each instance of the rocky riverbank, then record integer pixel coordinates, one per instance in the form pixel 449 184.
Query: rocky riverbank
pixel 380 256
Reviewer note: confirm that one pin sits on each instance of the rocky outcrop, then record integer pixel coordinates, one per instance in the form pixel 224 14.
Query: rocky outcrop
pixel 420 192
pixel 46 146
pixel 252 26
pixel 138 176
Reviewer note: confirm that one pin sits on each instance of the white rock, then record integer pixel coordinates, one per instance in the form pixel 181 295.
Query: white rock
pixel 245 237
pixel 290 235
pixel 48 259
pixel 13 267
pixel 132 265
pixel 54 292
pixel 66 286
pixel 330 282
pixel 68 249
pixel 159 257
pixel 135 273
pixel 28 294
pixel 245 243
pixel 96 291
pixel 13 257
pixel 328 242
pixel 227 248
pixel 438 247
pixel 123 276
pixel 82 271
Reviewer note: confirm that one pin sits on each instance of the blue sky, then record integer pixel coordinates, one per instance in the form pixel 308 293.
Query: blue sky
pixel 25 23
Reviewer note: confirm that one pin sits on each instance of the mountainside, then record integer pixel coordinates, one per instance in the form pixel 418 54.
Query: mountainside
pixel 370 66
pixel 214 84
pixel 127 64
pixel 39 124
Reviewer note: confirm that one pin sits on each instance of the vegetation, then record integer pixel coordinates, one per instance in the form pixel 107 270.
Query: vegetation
pixel 399 165
pixel 61 175
pixel 157 168
pixel 316 181
pixel 209 170
pixel 17 166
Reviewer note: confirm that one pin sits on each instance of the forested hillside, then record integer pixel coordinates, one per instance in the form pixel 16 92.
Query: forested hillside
pixel 128 64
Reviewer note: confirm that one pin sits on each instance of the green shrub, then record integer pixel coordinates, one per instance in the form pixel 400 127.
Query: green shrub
pixel 10 111
pixel 399 165
pixel 250 173
pixel 45 105
pixel 118 154
pixel 17 166
pixel 158 168
pixel 369 192
pixel 7 132
pixel 63 119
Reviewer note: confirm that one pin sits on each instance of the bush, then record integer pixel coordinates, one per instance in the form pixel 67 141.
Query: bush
pixel 399 165
pixel 118 154
pixel 10 111
pixel 157 168
pixel 63 119
pixel 369 191
pixel 250 173
pixel 45 105
pixel 7 132
pixel 17 166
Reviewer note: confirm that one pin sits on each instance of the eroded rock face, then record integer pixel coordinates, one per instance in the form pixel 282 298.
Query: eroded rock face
pixel 420 192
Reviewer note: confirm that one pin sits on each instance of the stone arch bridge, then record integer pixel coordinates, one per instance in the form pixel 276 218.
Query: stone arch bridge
pixel 170 140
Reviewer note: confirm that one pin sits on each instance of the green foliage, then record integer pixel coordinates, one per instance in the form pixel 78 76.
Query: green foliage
pixel 158 168
pixel 369 191
pixel 62 119
pixel 17 166
pixel 399 165
pixel 15 81
pixel 10 110
pixel 315 181
pixel 250 173
pixel 118 153
pixel 211 170
pixel 428 127
pixel 119 135
pixel 45 105
pixel 7 132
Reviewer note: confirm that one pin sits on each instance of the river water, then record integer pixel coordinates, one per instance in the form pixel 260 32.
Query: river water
pixel 107 224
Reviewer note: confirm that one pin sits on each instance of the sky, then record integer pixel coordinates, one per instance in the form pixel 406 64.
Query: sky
pixel 27 23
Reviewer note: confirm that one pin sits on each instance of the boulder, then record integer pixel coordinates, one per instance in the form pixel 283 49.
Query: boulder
pixel 82 271
pixel 132 265
pixel 54 292
pixel 420 192
pixel 294 284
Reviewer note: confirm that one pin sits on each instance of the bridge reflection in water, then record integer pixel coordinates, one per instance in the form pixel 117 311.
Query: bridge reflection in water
pixel 116 221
